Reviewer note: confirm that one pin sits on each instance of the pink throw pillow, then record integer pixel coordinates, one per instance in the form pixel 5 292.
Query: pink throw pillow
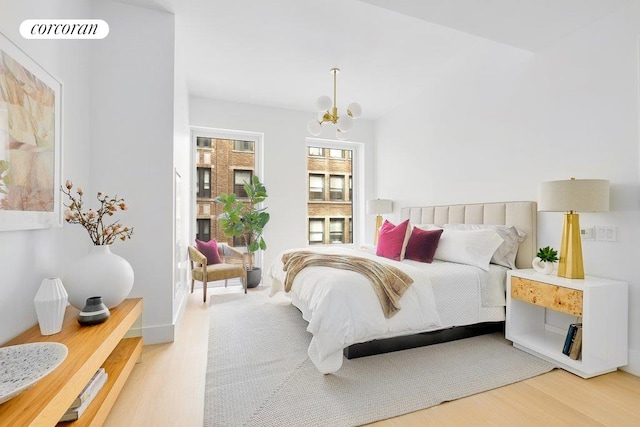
pixel 423 244
pixel 392 240
pixel 210 250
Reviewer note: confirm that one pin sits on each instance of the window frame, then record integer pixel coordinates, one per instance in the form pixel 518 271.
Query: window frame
pixel 310 231
pixel 238 189
pixel 322 189
pixel 201 183
pixel 199 235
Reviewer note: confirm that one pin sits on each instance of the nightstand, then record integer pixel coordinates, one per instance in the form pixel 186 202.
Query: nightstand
pixel 600 304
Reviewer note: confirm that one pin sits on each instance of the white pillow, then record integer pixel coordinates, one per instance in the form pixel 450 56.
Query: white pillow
pixel 472 247
pixel 506 253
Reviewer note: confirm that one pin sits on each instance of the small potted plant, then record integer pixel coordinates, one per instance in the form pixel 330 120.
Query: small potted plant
pixel 543 262
pixel 243 218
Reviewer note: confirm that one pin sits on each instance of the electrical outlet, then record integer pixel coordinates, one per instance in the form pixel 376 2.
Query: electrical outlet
pixel 587 233
pixel 606 233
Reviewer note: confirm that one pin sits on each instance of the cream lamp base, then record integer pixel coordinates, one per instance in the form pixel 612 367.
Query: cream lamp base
pixel 378 225
pixel 570 265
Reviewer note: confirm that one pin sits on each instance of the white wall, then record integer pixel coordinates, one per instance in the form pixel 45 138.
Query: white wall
pixel 506 120
pixel 284 175
pixel 132 143
pixel 27 257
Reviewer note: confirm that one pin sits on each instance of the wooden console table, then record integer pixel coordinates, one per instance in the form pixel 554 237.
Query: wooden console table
pixel 90 347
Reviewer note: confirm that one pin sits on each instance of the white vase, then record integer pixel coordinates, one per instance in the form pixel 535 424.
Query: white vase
pixel 101 273
pixel 543 267
pixel 50 302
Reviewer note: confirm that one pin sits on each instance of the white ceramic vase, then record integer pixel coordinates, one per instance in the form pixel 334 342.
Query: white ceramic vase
pixel 543 267
pixel 101 273
pixel 50 302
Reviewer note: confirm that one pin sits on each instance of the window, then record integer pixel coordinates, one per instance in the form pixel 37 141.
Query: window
pixel 203 142
pixel 336 154
pixel 243 146
pixel 336 187
pixel 316 187
pixel 336 230
pixel 333 183
pixel 316 231
pixel 240 177
pixel 204 183
pixel 316 151
pixel 203 229
pixel 238 241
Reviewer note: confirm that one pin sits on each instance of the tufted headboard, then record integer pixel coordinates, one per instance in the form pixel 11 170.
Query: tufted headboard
pixel 522 215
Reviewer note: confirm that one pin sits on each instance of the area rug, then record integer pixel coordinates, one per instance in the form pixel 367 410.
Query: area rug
pixel 259 374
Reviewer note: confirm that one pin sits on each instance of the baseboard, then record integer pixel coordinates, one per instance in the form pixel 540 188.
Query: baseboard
pixel 633 367
pixel 158 334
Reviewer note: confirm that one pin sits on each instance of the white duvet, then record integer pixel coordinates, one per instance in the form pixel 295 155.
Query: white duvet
pixel 342 308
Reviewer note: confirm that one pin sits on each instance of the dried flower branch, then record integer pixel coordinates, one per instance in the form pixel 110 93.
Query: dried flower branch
pixel 100 231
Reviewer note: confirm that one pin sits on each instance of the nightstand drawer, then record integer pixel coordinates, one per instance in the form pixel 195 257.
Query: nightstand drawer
pixel 558 298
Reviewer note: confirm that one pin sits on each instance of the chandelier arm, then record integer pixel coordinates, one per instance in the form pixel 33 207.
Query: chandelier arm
pixel 334 110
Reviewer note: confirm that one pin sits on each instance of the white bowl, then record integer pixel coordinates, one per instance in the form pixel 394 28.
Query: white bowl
pixel 23 365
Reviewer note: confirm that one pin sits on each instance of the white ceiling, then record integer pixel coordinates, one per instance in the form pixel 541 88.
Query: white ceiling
pixel 279 52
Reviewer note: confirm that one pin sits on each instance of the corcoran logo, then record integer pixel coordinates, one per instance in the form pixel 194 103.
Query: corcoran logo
pixel 64 29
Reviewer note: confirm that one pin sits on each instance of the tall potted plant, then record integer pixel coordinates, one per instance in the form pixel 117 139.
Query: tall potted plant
pixel 243 218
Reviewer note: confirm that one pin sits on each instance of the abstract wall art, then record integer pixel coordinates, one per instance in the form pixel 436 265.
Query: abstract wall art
pixel 30 142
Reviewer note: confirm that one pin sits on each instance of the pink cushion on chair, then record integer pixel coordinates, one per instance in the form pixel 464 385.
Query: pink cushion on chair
pixel 210 250
pixel 392 240
pixel 422 244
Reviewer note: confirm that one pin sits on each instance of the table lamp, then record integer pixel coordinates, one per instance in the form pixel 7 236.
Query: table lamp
pixel 572 196
pixel 378 207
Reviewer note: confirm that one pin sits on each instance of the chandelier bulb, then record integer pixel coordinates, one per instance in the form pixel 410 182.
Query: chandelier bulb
pixel 324 103
pixel 341 135
pixel 345 123
pixel 354 110
pixel 314 127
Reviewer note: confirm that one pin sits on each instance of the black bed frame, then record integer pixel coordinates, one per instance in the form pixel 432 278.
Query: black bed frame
pixel 405 342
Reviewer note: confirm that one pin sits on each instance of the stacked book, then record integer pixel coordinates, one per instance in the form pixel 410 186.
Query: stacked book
pixel 573 341
pixel 86 396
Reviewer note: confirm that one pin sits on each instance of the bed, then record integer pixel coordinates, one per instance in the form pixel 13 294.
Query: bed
pixel 447 300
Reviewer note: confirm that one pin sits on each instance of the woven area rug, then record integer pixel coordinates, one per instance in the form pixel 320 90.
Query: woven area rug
pixel 259 374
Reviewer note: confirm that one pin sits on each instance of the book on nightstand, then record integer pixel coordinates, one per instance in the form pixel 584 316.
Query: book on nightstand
pixel 576 346
pixel 569 339
pixel 86 396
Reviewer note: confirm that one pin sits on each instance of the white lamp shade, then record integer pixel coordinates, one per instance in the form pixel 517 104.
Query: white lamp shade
pixel 50 302
pixel 379 206
pixel 579 195
pixel 341 135
pixel 314 128
pixel 355 110
pixel 323 103
pixel 345 123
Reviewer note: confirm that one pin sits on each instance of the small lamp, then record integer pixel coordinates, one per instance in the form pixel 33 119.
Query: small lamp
pixel 572 196
pixel 379 207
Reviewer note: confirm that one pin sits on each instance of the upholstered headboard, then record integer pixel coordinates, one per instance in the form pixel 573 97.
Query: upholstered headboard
pixel 522 215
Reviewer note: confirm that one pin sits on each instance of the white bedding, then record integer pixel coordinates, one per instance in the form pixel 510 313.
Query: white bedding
pixel 342 307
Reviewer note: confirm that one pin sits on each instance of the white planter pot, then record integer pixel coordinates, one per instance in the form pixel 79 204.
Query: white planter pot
pixel 542 266
pixel 99 274
pixel 50 302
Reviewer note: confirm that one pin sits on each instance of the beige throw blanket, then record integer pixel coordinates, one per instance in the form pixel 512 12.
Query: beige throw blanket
pixel 389 282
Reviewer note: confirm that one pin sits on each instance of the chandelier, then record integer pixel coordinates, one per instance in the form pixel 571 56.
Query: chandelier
pixel 328 113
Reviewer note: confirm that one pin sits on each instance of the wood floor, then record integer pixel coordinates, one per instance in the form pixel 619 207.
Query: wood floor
pixel 167 389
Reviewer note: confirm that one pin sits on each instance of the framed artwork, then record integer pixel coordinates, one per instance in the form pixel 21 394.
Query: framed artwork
pixel 30 142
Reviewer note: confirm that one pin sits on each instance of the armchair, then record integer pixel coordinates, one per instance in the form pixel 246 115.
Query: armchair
pixel 204 273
